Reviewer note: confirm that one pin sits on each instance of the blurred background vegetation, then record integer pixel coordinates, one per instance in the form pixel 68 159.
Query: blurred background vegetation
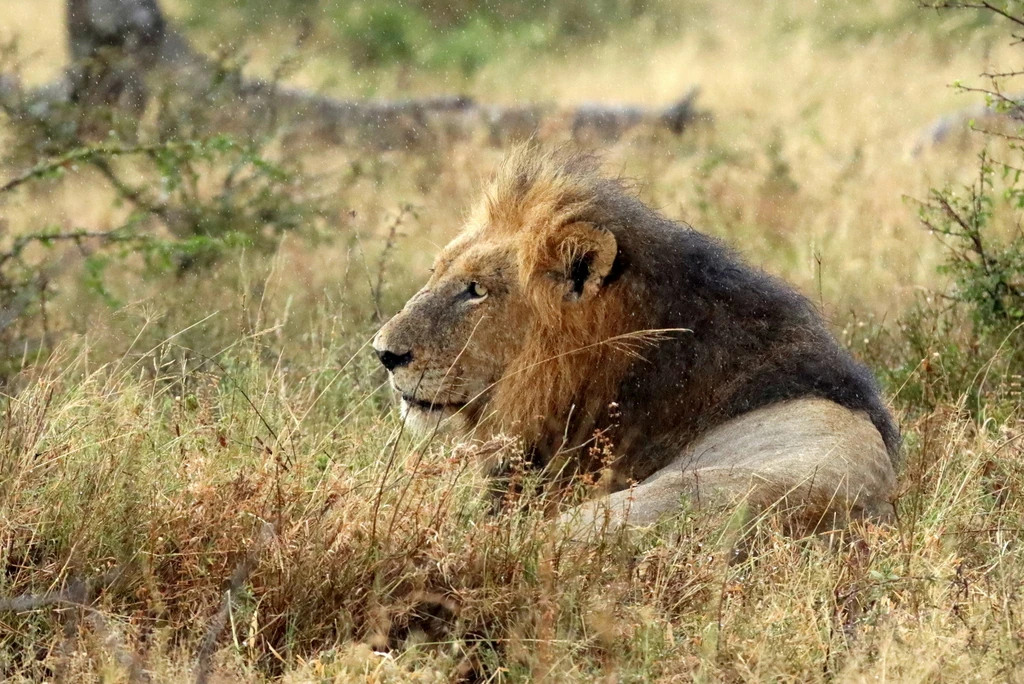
pixel 190 272
pixel 464 36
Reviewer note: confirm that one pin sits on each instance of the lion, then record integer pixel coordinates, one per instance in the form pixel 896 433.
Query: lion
pixel 607 337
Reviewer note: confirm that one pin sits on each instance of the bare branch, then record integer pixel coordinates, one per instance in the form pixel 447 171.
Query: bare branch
pixel 985 5
pixel 238 578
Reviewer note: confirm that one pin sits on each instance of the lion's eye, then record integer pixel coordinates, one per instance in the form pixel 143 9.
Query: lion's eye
pixel 476 290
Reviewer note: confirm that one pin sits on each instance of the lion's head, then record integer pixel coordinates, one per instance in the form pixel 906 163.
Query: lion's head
pixel 514 324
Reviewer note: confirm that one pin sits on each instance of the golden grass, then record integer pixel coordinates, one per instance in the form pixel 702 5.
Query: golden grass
pixel 39 30
pixel 167 486
pixel 126 453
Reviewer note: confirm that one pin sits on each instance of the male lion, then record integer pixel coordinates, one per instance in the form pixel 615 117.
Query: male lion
pixel 567 313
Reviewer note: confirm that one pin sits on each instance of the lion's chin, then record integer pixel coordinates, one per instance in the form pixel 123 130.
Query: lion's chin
pixel 427 418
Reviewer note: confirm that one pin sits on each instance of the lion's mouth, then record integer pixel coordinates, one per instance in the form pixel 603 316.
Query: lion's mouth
pixel 432 405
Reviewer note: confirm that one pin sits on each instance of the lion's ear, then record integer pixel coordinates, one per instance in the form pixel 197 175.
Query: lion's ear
pixel 586 256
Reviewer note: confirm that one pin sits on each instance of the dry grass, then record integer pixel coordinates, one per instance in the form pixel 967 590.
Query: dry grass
pixel 233 423
pixel 164 481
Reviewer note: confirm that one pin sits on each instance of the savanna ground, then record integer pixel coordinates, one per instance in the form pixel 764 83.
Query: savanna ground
pixel 202 474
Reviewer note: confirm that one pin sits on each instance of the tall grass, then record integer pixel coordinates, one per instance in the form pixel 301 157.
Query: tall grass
pixel 164 501
pixel 209 482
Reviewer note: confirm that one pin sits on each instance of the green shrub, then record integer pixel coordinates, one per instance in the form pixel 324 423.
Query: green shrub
pixel 458 35
pixel 962 345
pixel 183 196
pixel 381 33
pixel 988 272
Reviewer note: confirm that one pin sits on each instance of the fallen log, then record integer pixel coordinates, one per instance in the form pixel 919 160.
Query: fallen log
pixel 122 48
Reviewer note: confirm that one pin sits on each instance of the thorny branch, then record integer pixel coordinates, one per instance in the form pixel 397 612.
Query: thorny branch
pixel 78 595
pixel 984 5
pixel 382 263
pixel 57 165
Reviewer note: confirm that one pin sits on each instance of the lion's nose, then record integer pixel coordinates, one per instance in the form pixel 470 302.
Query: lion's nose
pixel 391 360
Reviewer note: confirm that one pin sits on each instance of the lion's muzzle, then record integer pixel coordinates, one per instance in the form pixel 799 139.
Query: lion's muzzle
pixel 421 388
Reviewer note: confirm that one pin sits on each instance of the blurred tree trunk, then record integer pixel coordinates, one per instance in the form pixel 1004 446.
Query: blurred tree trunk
pixel 132 26
pixel 114 43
